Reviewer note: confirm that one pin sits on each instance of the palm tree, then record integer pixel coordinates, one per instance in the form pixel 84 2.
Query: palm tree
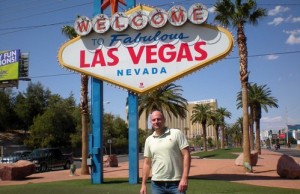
pixel 250 118
pixel 70 33
pixel 239 122
pixel 167 98
pixel 223 113
pixel 260 98
pixel 216 122
pixel 237 15
pixel 202 114
pixel 251 126
pixel 235 131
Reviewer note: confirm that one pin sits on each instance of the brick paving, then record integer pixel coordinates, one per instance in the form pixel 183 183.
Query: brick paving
pixel 265 173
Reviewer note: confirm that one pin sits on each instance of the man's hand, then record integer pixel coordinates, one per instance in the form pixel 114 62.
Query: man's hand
pixel 143 189
pixel 146 172
pixel 183 185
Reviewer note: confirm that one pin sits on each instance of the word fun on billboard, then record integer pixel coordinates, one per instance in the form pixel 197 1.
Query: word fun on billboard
pixel 9 57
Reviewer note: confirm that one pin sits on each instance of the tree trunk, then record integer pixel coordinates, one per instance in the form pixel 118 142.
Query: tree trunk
pixel 223 138
pixel 84 124
pixel 246 144
pixel 241 40
pixel 251 136
pixel 251 130
pixel 217 136
pixel 204 137
pixel 257 137
pixel 84 148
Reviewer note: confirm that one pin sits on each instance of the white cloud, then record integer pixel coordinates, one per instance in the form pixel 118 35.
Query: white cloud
pixel 274 123
pixel 292 121
pixel 279 79
pixel 294 37
pixel 271 119
pixel 276 21
pixel 272 57
pixel 277 122
pixel 277 10
pixel 211 9
pixel 294 20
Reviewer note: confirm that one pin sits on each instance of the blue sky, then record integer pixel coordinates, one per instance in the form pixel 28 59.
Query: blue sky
pixel 34 26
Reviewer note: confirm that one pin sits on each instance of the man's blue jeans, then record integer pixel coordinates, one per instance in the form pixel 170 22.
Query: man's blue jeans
pixel 165 187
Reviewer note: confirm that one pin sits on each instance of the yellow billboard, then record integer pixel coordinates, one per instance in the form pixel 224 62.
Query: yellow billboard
pixel 9 64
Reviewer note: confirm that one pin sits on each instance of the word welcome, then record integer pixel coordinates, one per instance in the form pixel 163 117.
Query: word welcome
pixel 138 20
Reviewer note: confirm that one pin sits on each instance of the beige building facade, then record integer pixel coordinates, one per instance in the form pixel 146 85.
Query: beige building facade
pixel 189 129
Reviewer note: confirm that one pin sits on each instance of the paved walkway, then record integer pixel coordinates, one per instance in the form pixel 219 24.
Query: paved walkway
pixel 265 173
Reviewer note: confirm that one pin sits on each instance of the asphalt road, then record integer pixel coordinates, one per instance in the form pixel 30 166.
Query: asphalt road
pixel 284 150
pixel 121 158
pixel 289 151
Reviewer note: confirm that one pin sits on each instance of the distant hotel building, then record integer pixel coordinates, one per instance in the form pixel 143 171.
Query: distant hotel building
pixel 189 129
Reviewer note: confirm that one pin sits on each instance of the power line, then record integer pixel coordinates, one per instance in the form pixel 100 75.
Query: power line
pixel 267 54
pixel 19 29
pixel 47 12
pixel 53 75
pixel 20 6
pixel 256 55
pixel 36 26
pixel 24 28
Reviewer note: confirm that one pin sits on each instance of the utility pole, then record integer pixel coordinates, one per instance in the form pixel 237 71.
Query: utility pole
pixel 287 126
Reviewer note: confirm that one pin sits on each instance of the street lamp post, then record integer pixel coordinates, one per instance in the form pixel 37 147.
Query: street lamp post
pixel 287 135
pixel 105 102
pixel 109 141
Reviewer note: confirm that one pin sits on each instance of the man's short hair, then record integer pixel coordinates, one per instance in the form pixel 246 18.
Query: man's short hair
pixel 162 113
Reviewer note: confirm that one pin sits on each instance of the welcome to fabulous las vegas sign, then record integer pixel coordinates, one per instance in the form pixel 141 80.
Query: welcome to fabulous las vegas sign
pixel 145 48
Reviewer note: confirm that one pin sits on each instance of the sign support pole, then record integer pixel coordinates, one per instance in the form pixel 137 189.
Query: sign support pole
pixel 133 138
pixel 97 121
pixel 97 130
pixel 133 129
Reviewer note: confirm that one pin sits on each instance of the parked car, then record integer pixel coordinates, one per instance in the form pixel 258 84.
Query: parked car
pixel 48 158
pixel 192 148
pixel 16 156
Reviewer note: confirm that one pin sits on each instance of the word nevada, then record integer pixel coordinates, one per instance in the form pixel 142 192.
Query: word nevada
pixel 138 20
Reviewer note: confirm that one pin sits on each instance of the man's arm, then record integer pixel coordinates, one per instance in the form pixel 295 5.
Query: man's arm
pixel 183 185
pixel 146 173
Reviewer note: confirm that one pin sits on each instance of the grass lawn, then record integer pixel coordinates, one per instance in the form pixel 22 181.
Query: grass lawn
pixel 115 186
pixel 230 153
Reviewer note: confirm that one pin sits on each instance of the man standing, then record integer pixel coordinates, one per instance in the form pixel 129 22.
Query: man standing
pixel 167 155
